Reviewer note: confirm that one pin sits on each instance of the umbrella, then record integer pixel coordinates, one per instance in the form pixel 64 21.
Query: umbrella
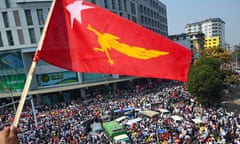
pixel 160 131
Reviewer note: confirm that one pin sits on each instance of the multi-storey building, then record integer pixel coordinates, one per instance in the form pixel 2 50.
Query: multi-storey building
pixel 151 14
pixel 192 41
pixel 182 39
pixel 197 43
pixel 21 25
pixel 211 27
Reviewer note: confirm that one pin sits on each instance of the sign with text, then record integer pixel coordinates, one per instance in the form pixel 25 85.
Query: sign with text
pixel 58 78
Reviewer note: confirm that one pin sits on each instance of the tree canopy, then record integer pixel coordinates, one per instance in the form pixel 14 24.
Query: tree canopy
pixel 218 53
pixel 205 80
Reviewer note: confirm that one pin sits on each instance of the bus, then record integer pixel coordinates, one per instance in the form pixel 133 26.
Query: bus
pixel 129 112
pixel 115 133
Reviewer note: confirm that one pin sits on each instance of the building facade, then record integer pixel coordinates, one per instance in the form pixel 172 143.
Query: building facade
pixel 21 25
pixel 192 41
pixel 151 14
pixel 212 27
pixel 212 42
pixel 197 43
pixel 182 39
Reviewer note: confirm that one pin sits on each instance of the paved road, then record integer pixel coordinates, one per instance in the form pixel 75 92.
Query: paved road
pixel 231 100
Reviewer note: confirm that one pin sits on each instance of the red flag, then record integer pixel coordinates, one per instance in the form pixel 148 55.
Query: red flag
pixel 83 37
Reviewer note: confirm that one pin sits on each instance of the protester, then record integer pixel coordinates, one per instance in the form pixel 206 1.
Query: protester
pixel 68 122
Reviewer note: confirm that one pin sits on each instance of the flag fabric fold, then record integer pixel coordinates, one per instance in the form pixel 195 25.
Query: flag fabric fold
pixel 83 37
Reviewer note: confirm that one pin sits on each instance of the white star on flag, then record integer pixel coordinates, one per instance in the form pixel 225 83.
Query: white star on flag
pixel 75 10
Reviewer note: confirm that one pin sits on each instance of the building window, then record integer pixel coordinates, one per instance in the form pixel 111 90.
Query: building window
pixel 148 11
pixel 144 10
pixel 105 3
pixel 28 17
pixel 134 19
pixel 20 36
pixel 32 35
pixel 145 20
pixel 40 16
pixel 141 8
pixel 133 8
pixel 16 18
pixel 8 3
pixel 141 19
pixel 1 41
pixel 119 4
pixel 128 16
pixel 10 38
pixel 151 3
pixel 125 5
pixel 5 19
pixel 113 4
pixel 41 30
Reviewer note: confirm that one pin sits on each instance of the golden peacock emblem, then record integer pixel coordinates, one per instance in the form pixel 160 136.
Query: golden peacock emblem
pixel 108 41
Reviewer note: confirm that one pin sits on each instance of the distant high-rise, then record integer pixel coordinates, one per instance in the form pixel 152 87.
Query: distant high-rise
pixel 212 28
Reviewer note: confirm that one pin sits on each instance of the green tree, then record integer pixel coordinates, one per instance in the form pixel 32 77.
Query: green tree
pixel 206 80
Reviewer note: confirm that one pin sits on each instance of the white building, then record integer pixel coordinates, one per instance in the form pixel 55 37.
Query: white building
pixel 211 27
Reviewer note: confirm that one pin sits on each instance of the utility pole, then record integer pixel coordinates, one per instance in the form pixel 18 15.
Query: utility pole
pixel 11 92
pixel 34 111
pixel 236 62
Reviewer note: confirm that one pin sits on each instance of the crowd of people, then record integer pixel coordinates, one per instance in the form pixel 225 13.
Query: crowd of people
pixel 199 124
pixel 63 122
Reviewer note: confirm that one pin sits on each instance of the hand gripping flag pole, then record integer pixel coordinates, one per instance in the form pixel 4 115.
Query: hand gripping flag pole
pixel 32 69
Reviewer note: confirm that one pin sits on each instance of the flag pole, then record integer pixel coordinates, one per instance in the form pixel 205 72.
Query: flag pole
pixel 32 69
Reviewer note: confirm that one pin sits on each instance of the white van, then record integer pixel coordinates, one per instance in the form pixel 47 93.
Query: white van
pixel 121 119
pixel 177 119
pixel 164 113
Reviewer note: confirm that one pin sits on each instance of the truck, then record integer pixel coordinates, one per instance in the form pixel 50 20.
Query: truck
pixel 115 133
